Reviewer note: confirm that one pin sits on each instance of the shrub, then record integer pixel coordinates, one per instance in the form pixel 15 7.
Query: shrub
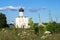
pixel 53 27
pixel 36 29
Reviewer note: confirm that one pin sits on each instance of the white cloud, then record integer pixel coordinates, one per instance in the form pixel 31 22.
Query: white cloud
pixel 13 8
pixel 1 9
pixel 9 8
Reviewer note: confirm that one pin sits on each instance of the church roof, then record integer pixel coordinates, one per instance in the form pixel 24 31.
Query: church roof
pixel 21 10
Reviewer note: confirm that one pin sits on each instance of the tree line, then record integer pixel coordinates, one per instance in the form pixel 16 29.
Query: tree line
pixel 53 27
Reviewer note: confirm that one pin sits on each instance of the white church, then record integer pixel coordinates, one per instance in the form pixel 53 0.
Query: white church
pixel 22 21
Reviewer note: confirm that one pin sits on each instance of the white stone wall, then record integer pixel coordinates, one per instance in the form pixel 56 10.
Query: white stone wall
pixel 22 22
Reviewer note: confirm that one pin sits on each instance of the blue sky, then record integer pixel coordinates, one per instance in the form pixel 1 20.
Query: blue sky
pixel 52 5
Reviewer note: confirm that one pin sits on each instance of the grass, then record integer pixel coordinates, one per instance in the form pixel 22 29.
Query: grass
pixel 24 34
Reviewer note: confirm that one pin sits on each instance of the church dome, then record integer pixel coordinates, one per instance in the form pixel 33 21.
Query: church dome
pixel 21 10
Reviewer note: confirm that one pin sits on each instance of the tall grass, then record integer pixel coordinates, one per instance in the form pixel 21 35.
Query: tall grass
pixel 23 34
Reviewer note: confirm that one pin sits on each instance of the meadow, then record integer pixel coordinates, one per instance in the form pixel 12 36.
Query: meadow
pixel 25 34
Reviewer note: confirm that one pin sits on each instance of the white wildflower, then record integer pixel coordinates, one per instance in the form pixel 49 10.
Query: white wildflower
pixel 3 29
pixel 47 32
pixel 43 37
pixel 18 34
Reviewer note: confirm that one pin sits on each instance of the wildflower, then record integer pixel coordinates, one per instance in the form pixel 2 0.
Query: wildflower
pixel 43 37
pixel 24 32
pixel 3 29
pixel 47 32
pixel 18 34
pixel 50 34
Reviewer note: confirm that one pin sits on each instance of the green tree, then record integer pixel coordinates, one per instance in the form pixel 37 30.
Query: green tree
pixel 31 23
pixel 3 22
pixel 51 26
pixel 57 29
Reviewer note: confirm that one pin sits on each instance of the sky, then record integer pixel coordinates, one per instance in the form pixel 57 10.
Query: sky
pixel 33 8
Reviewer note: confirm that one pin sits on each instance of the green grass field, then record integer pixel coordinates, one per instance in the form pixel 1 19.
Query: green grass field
pixel 25 34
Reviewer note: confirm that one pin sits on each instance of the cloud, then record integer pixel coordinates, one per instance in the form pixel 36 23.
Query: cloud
pixel 13 8
pixel 42 8
pixel 9 8
pixel 1 9
pixel 33 10
pixel 36 9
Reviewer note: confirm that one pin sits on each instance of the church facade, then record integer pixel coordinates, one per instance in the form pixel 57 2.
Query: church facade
pixel 21 20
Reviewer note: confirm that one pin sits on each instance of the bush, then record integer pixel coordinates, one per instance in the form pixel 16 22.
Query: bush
pixel 36 29
pixel 57 30
pixel 41 29
pixel 53 27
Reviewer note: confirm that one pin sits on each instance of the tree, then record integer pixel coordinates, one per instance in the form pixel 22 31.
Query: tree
pixel 31 23
pixel 3 22
pixel 58 28
pixel 51 26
